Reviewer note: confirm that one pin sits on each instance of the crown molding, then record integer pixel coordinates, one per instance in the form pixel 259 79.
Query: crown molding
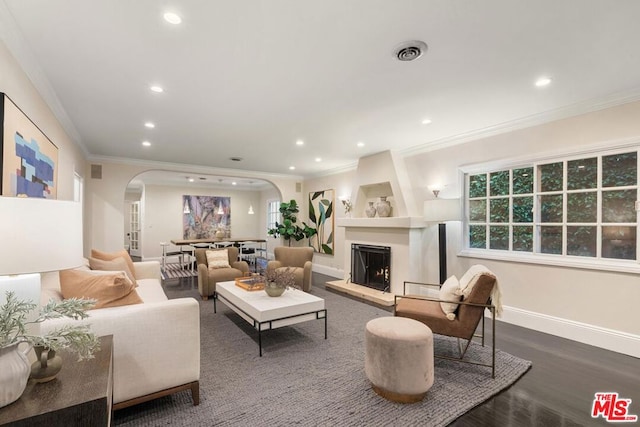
pixel 184 167
pixel 351 166
pixel 584 107
pixel 14 41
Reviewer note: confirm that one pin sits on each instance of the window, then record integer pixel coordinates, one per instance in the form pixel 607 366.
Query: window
pixel 273 213
pixel 580 207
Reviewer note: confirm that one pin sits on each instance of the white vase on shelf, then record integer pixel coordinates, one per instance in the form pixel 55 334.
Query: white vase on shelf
pixel 370 211
pixel 383 207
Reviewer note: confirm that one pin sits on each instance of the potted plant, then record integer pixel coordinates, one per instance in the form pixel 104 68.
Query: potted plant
pixel 278 280
pixel 14 330
pixel 289 229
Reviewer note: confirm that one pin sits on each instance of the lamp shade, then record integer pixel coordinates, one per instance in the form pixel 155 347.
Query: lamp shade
pixel 39 235
pixel 440 210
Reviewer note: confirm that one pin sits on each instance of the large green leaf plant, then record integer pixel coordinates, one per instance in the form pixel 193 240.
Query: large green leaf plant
pixel 289 229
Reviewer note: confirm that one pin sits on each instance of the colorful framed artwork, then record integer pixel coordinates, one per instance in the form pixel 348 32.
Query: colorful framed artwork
pixel 206 217
pixel 29 160
pixel 321 207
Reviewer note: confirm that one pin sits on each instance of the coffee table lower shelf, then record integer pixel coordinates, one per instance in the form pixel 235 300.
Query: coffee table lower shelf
pixel 294 308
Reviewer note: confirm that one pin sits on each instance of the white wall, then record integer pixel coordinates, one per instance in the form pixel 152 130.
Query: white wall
pixel 16 84
pixel 597 299
pixel 163 212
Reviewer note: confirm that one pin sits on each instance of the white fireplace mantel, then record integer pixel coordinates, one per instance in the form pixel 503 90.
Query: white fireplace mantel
pixel 389 222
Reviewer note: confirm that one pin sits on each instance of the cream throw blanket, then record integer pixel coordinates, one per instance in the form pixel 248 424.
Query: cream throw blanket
pixel 469 279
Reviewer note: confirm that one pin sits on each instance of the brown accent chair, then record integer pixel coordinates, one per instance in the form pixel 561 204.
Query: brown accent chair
pixel 297 259
pixel 469 313
pixel 207 278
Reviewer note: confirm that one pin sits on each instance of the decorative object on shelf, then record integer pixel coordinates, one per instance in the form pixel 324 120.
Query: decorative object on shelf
pixel 370 211
pixel 383 207
pixel 15 329
pixel 321 215
pixel 30 163
pixel 347 207
pixel 289 229
pixel 279 280
pixel 220 234
pixel 46 366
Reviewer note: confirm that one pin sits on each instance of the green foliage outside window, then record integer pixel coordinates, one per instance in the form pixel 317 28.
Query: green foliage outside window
pixel 499 183
pixel 551 176
pixel 523 181
pixel 478 186
pixel 582 174
pixel 620 170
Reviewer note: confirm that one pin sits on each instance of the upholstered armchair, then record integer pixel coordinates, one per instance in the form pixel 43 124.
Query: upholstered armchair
pixel 457 310
pixel 299 260
pixel 208 275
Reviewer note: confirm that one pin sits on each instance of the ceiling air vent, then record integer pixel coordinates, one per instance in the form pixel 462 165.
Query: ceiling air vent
pixel 410 50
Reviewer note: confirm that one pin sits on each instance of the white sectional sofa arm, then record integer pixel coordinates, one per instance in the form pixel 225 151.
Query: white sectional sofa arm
pixel 147 270
pixel 156 347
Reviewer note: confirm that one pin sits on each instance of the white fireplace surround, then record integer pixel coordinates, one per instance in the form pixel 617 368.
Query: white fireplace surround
pixel 383 174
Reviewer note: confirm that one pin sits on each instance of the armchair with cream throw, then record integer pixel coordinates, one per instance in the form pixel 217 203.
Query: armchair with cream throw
pixel 458 309
pixel 299 260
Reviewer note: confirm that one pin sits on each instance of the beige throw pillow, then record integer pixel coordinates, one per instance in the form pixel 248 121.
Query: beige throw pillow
pixel 108 256
pixel 450 291
pixel 218 258
pixel 107 290
pixel 116 264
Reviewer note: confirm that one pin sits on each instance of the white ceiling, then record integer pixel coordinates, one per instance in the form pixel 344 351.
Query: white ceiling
pixel 248 78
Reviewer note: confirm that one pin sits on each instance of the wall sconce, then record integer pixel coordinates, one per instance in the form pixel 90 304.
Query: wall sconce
pixel 251 212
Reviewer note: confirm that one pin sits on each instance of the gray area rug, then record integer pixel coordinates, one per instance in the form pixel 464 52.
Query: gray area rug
pixel 303 379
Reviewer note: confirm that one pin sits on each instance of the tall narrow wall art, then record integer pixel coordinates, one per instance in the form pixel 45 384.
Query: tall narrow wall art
pixel 321 207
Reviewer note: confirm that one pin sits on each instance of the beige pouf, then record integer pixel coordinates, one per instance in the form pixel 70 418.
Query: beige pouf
pixel 399 358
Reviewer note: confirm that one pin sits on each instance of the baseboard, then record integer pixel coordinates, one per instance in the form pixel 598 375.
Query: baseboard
pixel 620 342
pixel 328 271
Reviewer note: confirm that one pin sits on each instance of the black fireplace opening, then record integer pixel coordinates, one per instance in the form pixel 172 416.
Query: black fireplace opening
pixel 371 266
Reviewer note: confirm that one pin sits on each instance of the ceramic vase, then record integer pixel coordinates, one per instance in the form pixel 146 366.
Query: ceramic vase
pixel 370 211
pixel 14 373
pixel 273 289
pixel 47 365
pixel 383 207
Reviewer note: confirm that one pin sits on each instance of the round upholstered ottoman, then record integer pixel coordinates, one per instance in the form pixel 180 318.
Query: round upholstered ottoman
pixel 399 358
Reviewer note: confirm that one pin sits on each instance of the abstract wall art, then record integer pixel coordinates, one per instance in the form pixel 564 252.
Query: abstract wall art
pixel 28 159
pixel 206 217
pixel 321 206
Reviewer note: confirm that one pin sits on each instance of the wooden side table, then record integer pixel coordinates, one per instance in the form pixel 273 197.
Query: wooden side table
pixel 80 395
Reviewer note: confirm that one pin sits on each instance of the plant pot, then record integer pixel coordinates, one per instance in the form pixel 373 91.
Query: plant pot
pixel 47 366
pixel 273 289
pixel 14 373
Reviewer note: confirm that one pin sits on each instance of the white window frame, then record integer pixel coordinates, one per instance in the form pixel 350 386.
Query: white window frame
pixel 273 216
pixel 597 263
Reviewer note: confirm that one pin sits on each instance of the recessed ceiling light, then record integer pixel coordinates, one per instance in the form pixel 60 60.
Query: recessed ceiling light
pixel 146 143
pixel 543 81
pixel 360 144
pixel 299 142
pixel 234 183
pixel 426 121
pixel 156 89
pixel 190 179
pixel 172 18
pixel 291 168
pixel 318 159
pixel 149 125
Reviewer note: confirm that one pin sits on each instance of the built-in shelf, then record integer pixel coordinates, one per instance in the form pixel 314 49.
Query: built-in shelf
pixel 389 222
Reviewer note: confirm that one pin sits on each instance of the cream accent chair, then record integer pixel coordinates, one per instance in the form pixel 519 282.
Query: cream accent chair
pixel 207 278
pixel 297 259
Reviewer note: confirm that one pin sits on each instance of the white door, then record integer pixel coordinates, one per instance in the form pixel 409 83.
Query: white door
pixel 134 229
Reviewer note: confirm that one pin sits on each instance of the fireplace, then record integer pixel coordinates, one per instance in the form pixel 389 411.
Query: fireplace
pixel 371 266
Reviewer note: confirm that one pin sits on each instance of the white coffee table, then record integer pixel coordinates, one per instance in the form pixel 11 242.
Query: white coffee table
pixel 265 312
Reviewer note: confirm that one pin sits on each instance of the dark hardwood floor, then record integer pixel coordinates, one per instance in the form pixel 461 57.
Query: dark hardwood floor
pixel 557 391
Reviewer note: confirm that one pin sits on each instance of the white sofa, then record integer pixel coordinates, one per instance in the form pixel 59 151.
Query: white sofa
pixel 156 345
